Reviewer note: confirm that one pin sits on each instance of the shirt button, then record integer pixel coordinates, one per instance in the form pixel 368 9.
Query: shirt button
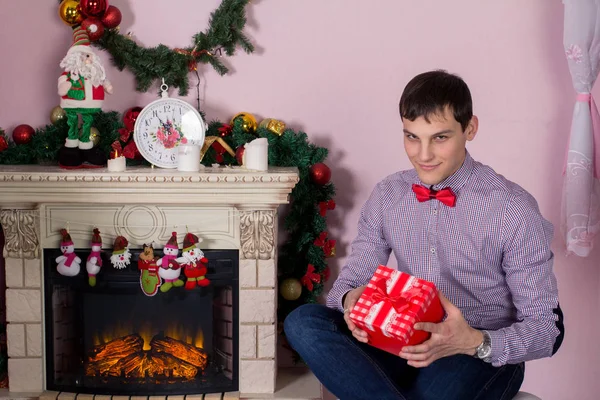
pixel 433 250
pixel 434 212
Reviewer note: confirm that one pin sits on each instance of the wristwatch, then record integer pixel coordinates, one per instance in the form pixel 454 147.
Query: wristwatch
pixel 484 350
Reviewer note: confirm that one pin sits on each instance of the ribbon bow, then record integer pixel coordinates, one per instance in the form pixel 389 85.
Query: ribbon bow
pixel 445 195
pixel 381 294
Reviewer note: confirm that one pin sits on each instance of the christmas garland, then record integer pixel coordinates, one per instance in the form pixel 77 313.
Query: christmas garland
pixel 150 65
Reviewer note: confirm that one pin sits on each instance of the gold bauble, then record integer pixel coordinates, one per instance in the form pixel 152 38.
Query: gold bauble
pixel 273 125
pixel 290 289
pixel 70 13
pixel 94 136
pixel 249 124
pixel 57 114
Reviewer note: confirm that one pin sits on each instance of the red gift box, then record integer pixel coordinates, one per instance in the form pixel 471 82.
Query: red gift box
pixel 391 304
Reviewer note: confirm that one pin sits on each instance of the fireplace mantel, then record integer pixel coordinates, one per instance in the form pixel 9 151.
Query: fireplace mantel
pixel 145 204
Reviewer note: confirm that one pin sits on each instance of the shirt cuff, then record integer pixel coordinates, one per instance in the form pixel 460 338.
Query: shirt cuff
pixel 498 339
pixel 342 298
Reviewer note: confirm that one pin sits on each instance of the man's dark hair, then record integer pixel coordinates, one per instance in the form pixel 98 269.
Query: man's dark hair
pixel 431 92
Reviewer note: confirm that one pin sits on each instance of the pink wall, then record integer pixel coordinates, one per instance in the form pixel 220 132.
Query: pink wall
pixel 335 69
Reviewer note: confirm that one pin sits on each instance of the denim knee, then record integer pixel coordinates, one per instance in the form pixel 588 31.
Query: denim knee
pixel 304 321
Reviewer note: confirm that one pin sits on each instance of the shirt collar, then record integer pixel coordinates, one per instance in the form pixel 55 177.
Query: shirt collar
pixel 457 180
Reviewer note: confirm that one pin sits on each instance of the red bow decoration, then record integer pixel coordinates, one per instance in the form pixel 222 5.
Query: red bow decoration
pixel 225 130
pixel 124 134
pixel 219 150
pixel 310 277
pixel 327 245
pixel 445 195
pixel 400 302
pixel 326 205
pixel 320 241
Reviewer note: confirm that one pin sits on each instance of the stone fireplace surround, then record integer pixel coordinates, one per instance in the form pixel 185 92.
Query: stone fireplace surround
pixel 228 207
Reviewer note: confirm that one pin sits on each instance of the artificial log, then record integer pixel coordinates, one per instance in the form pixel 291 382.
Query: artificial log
pixel 149 364
pixel 103 357
pixel 186 352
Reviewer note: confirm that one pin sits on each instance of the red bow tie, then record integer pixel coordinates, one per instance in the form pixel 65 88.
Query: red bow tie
pixel 445 195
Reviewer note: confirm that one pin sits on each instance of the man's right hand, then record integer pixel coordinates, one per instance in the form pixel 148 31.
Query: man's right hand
pixel 349 302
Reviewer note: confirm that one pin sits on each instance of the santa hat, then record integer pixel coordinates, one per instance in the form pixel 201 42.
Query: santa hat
pixel 172 243
pixel 96 239
pixel 120 244
pixel 190 241
pixel 81 42
pixel 66 238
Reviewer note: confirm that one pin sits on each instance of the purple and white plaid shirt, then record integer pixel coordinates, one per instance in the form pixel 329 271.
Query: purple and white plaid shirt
pixel 490 255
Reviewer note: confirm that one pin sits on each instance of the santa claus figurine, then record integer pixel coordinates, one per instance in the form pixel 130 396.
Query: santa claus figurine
pixel 81 87
pixel 194 263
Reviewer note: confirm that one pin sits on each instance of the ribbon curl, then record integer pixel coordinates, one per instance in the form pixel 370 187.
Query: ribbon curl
pixel 405 298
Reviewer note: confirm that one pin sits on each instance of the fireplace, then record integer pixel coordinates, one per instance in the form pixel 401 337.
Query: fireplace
pixel 113 339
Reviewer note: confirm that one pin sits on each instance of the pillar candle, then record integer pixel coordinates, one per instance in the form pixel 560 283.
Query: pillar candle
pixel 188 158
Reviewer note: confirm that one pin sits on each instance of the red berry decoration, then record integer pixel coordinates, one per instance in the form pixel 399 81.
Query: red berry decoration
pixel 94 28
pixel 3 144
pixel 111 18
pixel 23 134
pixel 320 174
pixel 239 154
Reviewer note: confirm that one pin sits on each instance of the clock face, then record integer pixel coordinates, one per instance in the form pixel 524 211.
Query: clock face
pixel 165 124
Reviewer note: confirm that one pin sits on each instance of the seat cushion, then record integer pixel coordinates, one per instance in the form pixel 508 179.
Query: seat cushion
pixel 525 396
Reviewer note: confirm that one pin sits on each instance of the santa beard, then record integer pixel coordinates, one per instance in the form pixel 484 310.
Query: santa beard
pixel 188 258
pixel 120 261
pixel 75 64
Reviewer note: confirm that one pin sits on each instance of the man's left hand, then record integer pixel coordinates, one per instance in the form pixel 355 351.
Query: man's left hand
pixel 450 337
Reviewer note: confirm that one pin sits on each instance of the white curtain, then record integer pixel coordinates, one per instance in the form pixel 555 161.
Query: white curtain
pixel 581 191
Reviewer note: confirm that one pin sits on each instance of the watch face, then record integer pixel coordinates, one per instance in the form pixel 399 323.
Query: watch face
pixel 162 126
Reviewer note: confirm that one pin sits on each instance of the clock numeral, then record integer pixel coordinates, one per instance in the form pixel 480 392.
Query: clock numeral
pixel 145 135
pixel 151 147
pixel 167 107
pixel 173 157
pixel 180 110
pixel 147 123
pixel 155 113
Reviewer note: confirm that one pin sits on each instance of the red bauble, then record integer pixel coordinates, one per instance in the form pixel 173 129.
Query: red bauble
pixel 23 134
pixel 239 154
pixel 94 28
pixel 320 174
pixel 93 8
pixel 111 18
pixel 131 116
pixel 3 144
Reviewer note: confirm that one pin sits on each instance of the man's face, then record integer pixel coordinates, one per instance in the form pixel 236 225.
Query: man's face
pixel 437 148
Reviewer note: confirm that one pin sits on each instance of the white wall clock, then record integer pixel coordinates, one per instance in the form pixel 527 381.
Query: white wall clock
pixel 165 124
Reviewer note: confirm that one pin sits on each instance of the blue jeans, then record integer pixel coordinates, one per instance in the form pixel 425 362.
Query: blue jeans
pixel 353 371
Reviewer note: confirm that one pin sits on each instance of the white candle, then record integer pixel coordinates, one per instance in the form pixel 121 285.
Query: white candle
pixel 256 154
pixel 188 158
pixel 116 164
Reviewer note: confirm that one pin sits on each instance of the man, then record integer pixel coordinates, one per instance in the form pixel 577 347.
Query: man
pixel 487 249
pixel 81 86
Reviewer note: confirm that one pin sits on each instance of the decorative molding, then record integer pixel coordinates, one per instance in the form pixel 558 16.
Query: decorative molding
pixel 21 229
pixel 257 234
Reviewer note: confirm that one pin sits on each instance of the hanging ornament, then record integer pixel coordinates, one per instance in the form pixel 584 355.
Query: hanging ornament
pixel 130 116
pixel 249 123
pixel 57 114
pixel 94 260
pixel 23 134
pixel 310 277
pixel 94 28
pixel 149 279
pixel 239 155
pixel 111 18
pixel 273 125
pixel 93 8
pixel 170 270
pixel 193 262
pixel 320 174
pixel 326 205
pixel 70 13
pixel 121 256
pixel 290 289
pixel 94 136
pixel 3 143
pixel 68 264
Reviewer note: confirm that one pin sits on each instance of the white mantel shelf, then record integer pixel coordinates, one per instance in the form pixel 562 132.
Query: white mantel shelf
pixel 27 185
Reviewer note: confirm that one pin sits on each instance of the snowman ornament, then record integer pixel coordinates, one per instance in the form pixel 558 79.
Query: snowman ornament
pixel 68 264
pixel 94 260
pixel 169 269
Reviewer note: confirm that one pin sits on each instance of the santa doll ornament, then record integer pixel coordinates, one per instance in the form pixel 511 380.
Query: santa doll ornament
pixel 81 86
pixel 121 255
pixel 194 263
pixel 68 264
pixel 94 260
pixel 170 270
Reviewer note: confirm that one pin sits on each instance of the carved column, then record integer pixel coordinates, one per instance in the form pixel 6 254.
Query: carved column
pixel 258 301
pixel 23 298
